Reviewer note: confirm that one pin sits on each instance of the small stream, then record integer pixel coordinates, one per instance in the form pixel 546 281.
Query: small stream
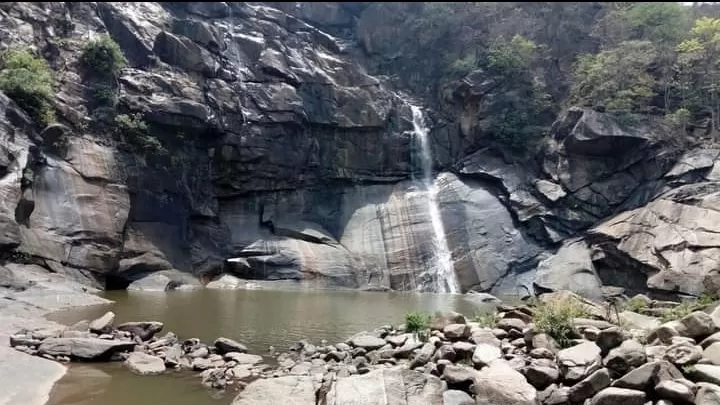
pixel 258 318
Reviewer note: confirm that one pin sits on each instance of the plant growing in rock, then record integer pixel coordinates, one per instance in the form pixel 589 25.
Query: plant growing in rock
pixel 104 56
pixel 635 304
pixel 417 323
pixel 28 80
pixel 556 319
pixel 486 319
pixel 136 130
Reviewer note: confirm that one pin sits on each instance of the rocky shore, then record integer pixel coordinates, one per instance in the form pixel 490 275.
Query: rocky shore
pixel 561 349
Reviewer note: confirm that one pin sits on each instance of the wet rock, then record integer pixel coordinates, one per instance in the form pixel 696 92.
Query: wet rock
pixel 200 352
pixel 145 364
pixel 102 324
pixel 225 345
pixel 201 364
pixel 614 396
pixel 500 384
pixel 83 348
pixel 579 361
pixel 628 355
pixel 173 355
pixel 484 354
pixel 674 391
pixel 589 386
pixel 144 330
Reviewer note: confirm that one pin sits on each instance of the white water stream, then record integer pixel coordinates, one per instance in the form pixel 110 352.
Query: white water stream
pixel 443 274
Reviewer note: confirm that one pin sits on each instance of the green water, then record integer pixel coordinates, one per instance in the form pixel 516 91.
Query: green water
pixel 258 318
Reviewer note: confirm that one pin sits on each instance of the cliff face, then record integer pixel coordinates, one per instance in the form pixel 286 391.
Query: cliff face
pixel 288 160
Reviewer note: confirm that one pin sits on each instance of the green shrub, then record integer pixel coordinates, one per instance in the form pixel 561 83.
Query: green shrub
pixel 417 323
pixel 136 130
pixel 104 56
pixel 556 319
pixel 104 95
pixel 486 319
pixel 688 307
pixel 635 304
pixel 28 80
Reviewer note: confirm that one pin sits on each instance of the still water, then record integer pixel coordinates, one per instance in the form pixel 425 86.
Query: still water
pixel 258 318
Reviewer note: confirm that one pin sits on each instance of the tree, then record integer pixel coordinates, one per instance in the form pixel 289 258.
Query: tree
pixel 699 73
pixel 617 79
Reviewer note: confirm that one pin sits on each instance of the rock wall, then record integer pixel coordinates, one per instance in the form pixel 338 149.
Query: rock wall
pixel 288 160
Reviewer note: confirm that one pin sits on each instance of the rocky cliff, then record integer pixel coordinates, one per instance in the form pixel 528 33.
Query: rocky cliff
pixel 289 155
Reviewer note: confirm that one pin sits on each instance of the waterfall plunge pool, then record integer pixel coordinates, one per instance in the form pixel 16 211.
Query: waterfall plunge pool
pixel 258 318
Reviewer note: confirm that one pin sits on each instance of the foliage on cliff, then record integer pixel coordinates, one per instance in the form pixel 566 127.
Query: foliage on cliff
pixel 624 58
pixel 28 80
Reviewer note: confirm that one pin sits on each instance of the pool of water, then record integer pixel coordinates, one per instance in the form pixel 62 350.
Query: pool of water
pixel 258 318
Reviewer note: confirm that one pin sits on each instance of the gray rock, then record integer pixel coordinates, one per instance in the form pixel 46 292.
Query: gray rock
pixel 386 386
pixel 201 364
pixel 444 352
pixel 628 355
pixel 226 282
pixel 614 396
pixel 571 269
pixel 145 364
pixel 456 397
pixel 243 358
pixel 714 338
pixel 485 354
pixel 541 373
pixel 648 375
pixel 397 340
pixel 705 373
pixel 84 348
pixel 707 394
pixel 711 354
pixel 500 384
pixel 164 281
pixel 589 386
pixel 463 348
pixel 610 338
pixel 291 390
pixel 696 324
pixel 682 354
pixel 225 345
pixel 102 324
pixel 456 331
pixel 674 391
pixel 368 342
pixel 144 330
pixel 508 324
pixel 423 356
pixel 454 374
pixel 579 361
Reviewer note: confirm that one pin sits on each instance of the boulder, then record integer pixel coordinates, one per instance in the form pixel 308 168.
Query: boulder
pixel 707 394
pixel 674 391
pixel 455 374
pixel 144 330
pixel 388 386
pixel 705 373
pixel 541 372
pixel 289 390
pixel 589 386
pixel 368 342
pixel 225 282
pixel 683 353
pixel 579 361
pixel 423 355
pixel 648 375
pixel 145 364
pixel 695 325
pixel 456 331
pixel 628 355
pixel 485 354
pixel 711 354
pixel 243 358
pixel 226 345
pixel 609 338
pixel 500 384
pixel 457 397
pixel 84 348
pixel 614 396
pixel 102 324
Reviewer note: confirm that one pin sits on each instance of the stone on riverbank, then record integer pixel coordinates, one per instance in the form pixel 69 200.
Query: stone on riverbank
pixel 288 390
pixel 500 384
pixel 144 330
pixel 102 324
pixel 389 386
pixel 145 364
pixel 83 348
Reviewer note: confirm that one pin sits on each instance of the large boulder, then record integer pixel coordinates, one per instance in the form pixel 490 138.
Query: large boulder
pixel 290 390
pixel 389 386
pixel 500 384
pixel 145 364
pixel 84 348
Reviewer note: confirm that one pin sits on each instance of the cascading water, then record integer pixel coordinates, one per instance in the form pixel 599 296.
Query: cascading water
pixel 442 273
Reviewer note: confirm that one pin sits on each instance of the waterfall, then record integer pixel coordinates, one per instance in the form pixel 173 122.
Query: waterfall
pixel 442 272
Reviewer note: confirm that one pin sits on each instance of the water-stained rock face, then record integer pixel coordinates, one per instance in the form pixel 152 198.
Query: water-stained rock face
pixel 286 159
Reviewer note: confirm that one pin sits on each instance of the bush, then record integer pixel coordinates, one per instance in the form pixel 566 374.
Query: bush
pixel 104 95
pixel 136 130
pixel 104 56
pixel 486 319
pixel 556 319
pixel 28 80
pixel 417 323
pixel 688 307
pixel 635 304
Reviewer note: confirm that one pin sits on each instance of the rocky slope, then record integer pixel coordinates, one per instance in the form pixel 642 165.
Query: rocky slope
pixel 288 160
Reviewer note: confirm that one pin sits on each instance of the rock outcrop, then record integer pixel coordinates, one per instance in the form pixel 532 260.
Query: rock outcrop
pixel 279 156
